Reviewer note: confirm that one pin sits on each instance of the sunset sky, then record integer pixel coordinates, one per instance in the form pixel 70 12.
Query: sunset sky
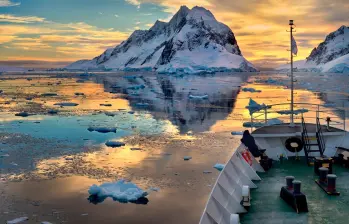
pixel 68 30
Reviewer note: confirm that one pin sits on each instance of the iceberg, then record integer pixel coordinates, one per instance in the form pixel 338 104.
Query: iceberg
pixel 219 166
pixel 121 191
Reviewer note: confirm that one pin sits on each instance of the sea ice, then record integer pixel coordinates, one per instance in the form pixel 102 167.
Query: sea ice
pixel 121 191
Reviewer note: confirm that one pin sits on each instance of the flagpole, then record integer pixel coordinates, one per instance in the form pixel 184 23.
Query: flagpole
pixel 292 100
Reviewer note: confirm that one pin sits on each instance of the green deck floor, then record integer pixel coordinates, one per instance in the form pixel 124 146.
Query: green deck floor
pixel 268 207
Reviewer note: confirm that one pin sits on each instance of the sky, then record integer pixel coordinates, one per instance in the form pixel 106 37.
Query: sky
pixel 56 32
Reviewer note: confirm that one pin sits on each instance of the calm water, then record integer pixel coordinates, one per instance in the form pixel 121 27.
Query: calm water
pixel 48 162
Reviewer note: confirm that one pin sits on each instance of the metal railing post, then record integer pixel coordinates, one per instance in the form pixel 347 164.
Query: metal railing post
pixel 251 123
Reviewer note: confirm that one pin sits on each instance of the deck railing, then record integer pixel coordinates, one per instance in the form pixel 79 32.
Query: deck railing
pixel 315 113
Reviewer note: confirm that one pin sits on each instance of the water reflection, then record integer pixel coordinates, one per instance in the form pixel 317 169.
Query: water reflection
pixel 180 99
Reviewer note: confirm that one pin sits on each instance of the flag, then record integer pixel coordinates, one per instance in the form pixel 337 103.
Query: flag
pixel 294 46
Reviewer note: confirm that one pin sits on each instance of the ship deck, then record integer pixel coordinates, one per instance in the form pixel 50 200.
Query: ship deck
pixel 267 206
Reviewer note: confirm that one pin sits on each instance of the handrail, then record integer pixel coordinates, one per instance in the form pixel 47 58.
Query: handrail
pixel 320 137
pixel 321 114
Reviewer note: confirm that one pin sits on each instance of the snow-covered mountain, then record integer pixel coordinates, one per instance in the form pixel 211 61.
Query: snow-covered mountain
pixel 332 55
pixel 192 41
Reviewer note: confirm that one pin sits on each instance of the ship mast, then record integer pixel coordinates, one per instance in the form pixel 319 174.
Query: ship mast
pixel 292 87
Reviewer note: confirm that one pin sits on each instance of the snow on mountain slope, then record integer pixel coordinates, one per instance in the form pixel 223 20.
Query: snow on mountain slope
pixel 192 41
pixel 332 55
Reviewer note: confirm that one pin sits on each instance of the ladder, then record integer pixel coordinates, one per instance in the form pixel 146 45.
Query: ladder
pixel 307 145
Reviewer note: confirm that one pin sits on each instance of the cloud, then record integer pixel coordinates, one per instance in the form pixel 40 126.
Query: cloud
pixel 20 19
pixel 8 3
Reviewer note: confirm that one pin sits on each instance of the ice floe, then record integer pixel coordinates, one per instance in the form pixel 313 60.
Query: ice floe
pixel 121 191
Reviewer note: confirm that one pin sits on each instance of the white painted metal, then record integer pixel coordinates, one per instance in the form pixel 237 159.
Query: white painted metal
pixel 227 194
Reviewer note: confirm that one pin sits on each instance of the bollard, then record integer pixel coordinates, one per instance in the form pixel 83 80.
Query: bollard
pixel 289 180
pixel 323 174
pixel 331 182
pixel 297 186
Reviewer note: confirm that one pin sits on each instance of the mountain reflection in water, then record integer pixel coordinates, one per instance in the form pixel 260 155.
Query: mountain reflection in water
pixel 168 97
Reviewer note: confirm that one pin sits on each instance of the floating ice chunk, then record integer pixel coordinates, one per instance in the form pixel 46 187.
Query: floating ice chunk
pixel 110 114
pixel 236 133
pixel 142 104
pixel 49 94
pixel 17 220
pixel 23 114
pixel 130 77
pixel 102 129
pixel 219 166
pixel 252 90
pixel 156 189
pixel 52 111
pixel 296 112
pixel 253 106
pixel 187 158
pixel 66 104
pixel 121 191
pixel 105 104
pixel 114 144
pixel 203 97
pixel 4 155
pixel 137 87
pixel 14 164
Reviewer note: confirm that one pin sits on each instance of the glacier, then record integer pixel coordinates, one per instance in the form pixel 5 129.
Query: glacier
pixel 193 41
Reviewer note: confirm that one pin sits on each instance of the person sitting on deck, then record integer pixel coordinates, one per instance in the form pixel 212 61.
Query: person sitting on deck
pixel 249 142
